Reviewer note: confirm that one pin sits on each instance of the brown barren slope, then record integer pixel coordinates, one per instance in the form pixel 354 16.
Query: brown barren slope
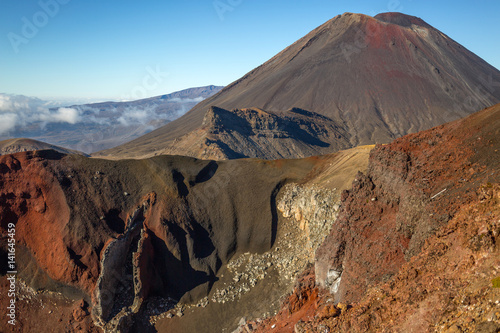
pixel 377 78
pixel 257 133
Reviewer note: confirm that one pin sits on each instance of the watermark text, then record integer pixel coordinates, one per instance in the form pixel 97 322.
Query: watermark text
pixel 30 27
pixel 11 273
pixel 223 6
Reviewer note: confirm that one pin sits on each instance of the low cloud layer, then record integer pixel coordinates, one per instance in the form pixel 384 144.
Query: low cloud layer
pixel 186 100
pixel 137 116
pixel 19 111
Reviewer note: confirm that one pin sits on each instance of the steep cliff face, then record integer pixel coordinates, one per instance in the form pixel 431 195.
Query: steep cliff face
pixel 310 208
pixel 448 287
pixel 314 210
pixel 452 285
pixel 415 246
pixel 257 133
pixel 413 187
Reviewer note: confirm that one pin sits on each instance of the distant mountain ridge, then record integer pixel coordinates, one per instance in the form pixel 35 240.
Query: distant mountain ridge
pixel 378 77
pixel 198 93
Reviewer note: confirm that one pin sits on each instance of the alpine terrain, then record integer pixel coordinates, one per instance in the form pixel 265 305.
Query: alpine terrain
pixel 373 78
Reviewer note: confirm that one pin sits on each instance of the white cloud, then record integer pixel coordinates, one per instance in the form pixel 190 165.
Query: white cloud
pixel 139 116
pixel 18 111
pixel 134 115
pixel 61 115
pixel 7 122
pixel 186 100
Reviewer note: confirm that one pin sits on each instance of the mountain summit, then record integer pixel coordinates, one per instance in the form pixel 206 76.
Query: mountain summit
pixel 402 19
pixel 377 78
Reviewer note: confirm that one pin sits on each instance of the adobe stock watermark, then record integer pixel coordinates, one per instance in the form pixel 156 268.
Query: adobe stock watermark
pixel 392 6
pixel 11 273
pixel 30 27
pixel 223 6
pixel 151 81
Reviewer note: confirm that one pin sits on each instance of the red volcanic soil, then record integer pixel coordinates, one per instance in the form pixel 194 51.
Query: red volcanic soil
pixel 417 238
pixel 302 304
pixel 33 200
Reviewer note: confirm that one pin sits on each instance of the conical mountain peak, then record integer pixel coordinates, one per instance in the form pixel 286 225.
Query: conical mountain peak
pixel 377 78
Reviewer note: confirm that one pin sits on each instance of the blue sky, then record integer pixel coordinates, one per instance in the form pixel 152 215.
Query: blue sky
pixel 112 50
